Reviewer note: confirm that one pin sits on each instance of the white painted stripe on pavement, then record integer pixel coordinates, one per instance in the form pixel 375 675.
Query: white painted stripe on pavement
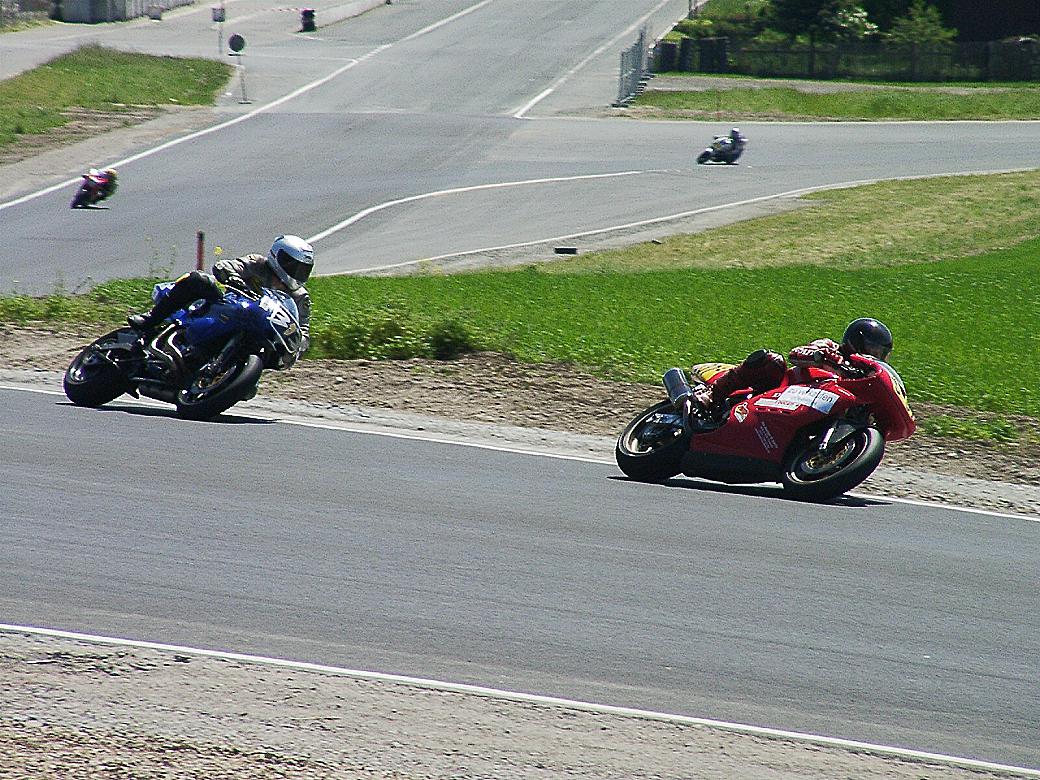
pixel 552 701
pixel 456 191
pixel 519 113
pixel 249 114
pixel 627 225
pixel 375 430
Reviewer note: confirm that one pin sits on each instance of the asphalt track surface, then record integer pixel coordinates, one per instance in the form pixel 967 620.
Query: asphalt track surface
pixel 867 619
pixel 904 625
pixel 420 100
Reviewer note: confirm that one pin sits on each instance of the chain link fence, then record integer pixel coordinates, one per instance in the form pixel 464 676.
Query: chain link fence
pixel 1012 60
pixel 635 69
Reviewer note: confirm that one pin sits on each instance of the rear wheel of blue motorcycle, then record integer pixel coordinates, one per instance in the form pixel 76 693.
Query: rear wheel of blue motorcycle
pixel 91 379
pixel 651 447
pixel 208 397
pixel 810 476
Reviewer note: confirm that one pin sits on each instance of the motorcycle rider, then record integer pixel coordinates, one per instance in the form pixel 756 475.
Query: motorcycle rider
pixel 105 183
pixel 286 267
pixel 763 369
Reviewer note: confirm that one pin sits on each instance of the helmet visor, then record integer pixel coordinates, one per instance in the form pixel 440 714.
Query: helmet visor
pixel 876 349
pixel 295 269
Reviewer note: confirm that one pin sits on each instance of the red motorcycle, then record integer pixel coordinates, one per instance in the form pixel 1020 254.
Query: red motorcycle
pixel 819 434
pixel 95 187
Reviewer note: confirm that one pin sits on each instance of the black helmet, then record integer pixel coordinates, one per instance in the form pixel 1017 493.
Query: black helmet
pixel 867 336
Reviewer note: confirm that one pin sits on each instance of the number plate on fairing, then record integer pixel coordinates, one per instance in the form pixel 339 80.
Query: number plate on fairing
pixel 800 395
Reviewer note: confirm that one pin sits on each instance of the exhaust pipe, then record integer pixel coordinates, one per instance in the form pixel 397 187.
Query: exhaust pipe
pixel 678 389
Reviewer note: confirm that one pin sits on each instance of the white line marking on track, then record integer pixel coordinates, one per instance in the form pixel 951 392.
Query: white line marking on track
pixel 456 191
pixel 442 22
pixel 519 113
pixel 553 701
pixel 612 228
pixel 249 114
pixel 374 430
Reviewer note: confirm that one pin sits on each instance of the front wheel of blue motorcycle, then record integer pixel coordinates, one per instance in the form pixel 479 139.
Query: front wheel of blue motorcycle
pixel 213 391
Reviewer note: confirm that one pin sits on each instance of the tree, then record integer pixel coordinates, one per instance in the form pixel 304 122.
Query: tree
pixel 797 17
pixel 821 19
pixel 847 22
pixel 884 12
pixel 923 24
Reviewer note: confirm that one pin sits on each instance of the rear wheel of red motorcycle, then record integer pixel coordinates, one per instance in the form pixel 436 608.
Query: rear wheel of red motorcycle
pixel 810 476
pixel 81 199
pixel 651 447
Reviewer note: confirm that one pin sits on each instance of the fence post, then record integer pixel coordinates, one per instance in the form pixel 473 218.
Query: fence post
pixel 200 250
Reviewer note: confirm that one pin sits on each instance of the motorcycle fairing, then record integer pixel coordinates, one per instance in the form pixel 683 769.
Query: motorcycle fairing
pixel 707 371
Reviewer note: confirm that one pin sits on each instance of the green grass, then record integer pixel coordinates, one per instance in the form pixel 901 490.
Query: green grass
pixel 781 103
pixel 998 430
pixel 96 78
pixel 633 325
pixel 731 8
pixel 949 264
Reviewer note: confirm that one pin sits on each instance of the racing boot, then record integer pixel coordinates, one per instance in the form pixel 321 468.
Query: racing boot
pixel 760 371
pixel 148 321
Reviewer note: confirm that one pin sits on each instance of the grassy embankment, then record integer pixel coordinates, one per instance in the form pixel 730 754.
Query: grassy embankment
pixel 95 78
pixel 739 102
pixel 950 264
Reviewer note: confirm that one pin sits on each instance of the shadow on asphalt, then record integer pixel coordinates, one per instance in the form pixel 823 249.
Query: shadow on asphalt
pixel 759 491
pixel 171 413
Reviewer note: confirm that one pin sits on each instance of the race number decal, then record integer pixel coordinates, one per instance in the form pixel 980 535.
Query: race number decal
pixel 820 400
pixel 277 313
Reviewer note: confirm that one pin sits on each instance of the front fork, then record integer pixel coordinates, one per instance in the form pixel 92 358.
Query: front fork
pixel 215 365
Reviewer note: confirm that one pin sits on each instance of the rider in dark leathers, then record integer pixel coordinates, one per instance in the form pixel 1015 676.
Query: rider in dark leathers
pixel 286 267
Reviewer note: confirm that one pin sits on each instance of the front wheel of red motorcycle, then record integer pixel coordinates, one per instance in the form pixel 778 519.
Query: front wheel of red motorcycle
pixel 651 447
pixel 810 475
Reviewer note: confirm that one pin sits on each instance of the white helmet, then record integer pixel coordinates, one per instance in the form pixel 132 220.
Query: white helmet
pixel 292 260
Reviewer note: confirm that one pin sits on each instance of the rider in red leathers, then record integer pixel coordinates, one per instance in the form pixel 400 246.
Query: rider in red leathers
pixel 763 369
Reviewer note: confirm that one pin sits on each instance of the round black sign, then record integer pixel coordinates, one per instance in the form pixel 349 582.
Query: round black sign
pixel 236 43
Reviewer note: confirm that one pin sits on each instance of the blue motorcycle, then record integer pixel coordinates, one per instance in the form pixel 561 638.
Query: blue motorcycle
pixel 204 358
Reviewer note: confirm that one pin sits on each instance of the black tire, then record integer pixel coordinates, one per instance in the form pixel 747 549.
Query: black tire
pixel 703 157
pixel 807 479
pixel 651 447
pixel 91 379
pixel 206 399
pixel 82 198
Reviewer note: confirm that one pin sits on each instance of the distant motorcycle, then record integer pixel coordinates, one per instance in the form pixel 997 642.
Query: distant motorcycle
pixel 724 149
pixel 204 359
pixel 95 187
pixel 819 434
